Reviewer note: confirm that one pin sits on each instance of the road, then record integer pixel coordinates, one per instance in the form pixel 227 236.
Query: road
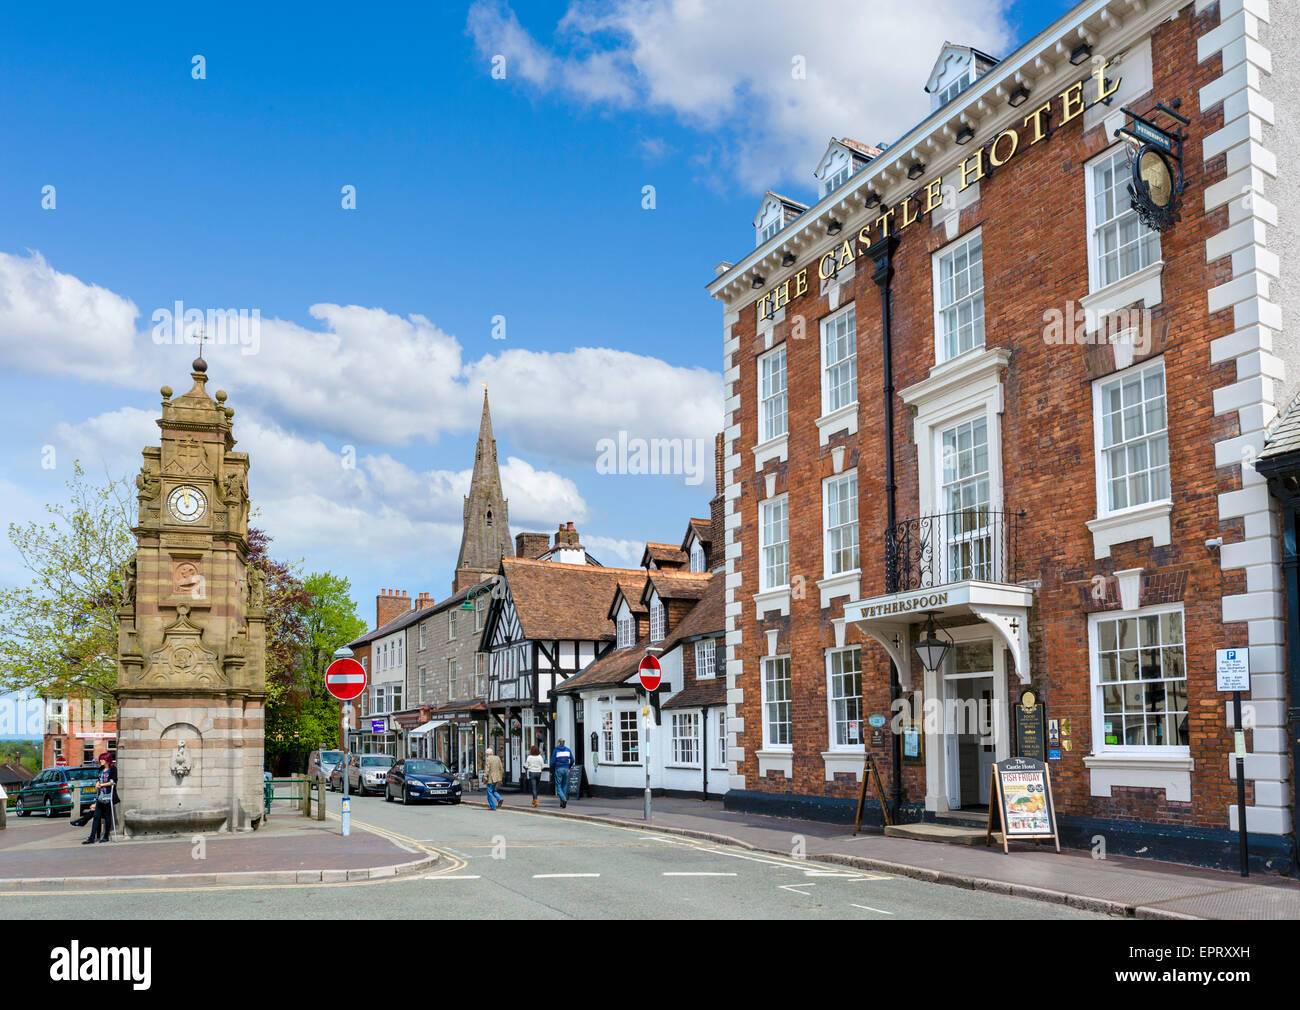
pixel 517 864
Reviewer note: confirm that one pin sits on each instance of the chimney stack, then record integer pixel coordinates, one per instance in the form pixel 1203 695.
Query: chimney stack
pixel 531 545
pixel 390 603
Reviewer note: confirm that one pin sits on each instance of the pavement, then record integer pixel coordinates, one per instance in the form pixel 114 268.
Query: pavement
pixel 1116 885
pixel 45 853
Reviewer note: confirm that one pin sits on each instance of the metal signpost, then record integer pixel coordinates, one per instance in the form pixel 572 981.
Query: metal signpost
pixel 651 674
pixel 1232 673
pixel 346 680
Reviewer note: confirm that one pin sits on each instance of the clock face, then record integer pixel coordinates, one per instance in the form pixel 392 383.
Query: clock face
pixel 1154 171
pixel 187 504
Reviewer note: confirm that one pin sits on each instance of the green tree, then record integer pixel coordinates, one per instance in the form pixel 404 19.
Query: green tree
pixel 58 635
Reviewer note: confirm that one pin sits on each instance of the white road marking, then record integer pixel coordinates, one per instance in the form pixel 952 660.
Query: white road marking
pixel 823 873
pixel 553 876
pixel 454 876
pixel 752 859
pixel 667 874
pixel 795 888
pixel 870 909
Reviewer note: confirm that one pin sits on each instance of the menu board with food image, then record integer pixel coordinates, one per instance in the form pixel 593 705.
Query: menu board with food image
pixel 1022 790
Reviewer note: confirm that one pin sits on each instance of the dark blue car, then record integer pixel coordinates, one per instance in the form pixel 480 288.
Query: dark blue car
pixel 421 779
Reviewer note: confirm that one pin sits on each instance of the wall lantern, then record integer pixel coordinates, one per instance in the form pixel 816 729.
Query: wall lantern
pixel 1082 54
pixel 873 199
pixel 1019 96
pixel 757 282
pixel 834 227
pixel 787 260
pixel 916 171
pixel 965 134
pixel 932 649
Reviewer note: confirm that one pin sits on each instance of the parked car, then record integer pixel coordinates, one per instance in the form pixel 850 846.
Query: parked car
pixel 322 762
pixel 55 790
pixel 366 773
pixel 421 779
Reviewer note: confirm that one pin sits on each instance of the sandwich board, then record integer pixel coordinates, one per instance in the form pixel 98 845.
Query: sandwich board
pixel 869 776
pixel 1021 796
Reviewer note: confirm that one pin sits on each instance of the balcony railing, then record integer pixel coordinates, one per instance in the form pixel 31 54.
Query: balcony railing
pixel 938 550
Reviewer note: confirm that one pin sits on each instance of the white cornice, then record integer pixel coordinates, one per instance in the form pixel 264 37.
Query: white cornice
pixel 1042 63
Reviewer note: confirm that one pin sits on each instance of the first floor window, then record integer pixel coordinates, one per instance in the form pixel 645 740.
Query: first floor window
pixel 774 546
pixel 776 701
pixel 959 295
pixel 480 674
pixel 706 654
pixel 88 752
pixel 1121 244
pixel 1140 678
pixel 965 492
pixel 841 500
pixel 451 679
pixel 1134 437
pixel 846 697
pixel 395 698
pixel 629 745
pixel 422 688
pixel 771 395
pixel 686 738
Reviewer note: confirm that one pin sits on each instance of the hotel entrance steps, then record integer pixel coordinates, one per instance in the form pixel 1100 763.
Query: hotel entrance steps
pixel 969 829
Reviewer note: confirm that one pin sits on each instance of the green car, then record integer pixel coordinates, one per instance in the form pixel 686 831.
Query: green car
pixel 55 790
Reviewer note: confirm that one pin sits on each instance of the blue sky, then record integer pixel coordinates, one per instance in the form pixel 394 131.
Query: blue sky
pixel 476 197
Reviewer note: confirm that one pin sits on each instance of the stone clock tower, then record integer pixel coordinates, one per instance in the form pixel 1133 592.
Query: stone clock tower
pixel 191 675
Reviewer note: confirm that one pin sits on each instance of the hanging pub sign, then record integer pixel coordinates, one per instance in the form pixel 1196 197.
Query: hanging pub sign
pixel 1156 161
pixel 1020 796
pixel 1029 713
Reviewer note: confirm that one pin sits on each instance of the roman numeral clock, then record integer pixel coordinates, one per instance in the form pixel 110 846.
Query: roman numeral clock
pixel 191 633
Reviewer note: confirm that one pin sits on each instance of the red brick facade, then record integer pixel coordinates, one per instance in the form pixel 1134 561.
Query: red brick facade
pixel 1032 216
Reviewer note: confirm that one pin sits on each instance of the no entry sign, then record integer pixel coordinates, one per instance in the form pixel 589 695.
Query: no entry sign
pixel 650 673
pixel 345 679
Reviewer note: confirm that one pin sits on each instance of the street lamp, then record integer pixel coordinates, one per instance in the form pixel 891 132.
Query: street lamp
pixel 932 649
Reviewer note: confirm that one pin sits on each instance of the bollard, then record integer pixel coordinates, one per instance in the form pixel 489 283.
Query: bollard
pixel 4 813
pixel 320 798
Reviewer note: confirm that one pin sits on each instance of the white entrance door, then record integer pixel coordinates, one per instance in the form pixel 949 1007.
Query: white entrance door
pixel 969 723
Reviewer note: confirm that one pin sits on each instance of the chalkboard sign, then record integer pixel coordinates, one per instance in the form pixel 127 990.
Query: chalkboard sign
pixel 575 781
pixel 1030 727
pixel 1020 796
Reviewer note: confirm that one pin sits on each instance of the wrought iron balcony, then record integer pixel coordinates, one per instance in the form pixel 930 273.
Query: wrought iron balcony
pixel 938 550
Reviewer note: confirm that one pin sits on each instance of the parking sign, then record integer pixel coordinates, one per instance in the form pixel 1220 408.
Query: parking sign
pixel 1232 671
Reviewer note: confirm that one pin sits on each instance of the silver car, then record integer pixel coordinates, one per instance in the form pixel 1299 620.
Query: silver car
pixel 368 772
pixel 322 762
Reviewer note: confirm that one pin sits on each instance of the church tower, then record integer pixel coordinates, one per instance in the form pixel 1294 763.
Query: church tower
pixel 191 674
pixel 486 537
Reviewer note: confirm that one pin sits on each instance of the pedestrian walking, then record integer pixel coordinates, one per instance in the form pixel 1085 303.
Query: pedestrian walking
pixel 105 797
pixel 561 762
pixel 533 765
pixel 493 773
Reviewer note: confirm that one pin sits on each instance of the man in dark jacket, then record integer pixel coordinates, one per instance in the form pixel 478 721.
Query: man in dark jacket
pixel 105 797
pixel 561 762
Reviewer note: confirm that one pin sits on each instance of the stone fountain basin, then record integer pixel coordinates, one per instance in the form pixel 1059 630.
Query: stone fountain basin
pixel 176 820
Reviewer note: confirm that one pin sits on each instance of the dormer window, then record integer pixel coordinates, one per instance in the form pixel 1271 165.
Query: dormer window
pixel 769 230
pixel 836 181
pixel 956 69
pixel 697 556
pixel 842 159
pixel 625 635
pixel 774 213
pixel 657 621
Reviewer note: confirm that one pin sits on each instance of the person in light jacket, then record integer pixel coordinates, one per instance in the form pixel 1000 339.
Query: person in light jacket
pixel 533 766
pixel 493 773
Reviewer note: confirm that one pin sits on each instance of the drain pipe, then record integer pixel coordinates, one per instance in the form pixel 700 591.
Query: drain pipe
pixel 883 255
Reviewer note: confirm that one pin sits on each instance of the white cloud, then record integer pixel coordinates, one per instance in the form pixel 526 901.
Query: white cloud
pixel 725 67
pixel 367 376
pixel 614 553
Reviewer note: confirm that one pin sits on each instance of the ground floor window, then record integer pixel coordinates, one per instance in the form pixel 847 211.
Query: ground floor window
pixel 686 738
pixel 720 759
pixel 607 737
pixel 844 669
pixel 776 701
pixel 1139 678
pixel 629 744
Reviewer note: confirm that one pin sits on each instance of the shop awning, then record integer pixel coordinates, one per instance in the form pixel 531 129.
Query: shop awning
pixel 427 727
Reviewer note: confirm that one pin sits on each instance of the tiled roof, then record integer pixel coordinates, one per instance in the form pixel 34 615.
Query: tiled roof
pixel 702 528
pixel 612 668
pixel 662 554
pixel 700 694
pixel 864 149
pixel 676 585
pixel 10 772
pixel 1285 436
pixel 556 600
pixel 707 617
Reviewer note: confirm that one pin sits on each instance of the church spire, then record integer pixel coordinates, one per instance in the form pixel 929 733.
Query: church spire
pixel 486 535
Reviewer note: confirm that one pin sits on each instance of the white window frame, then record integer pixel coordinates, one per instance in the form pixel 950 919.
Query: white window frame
pixel 829 559
pixel 988 565
pixel 706 655
pixel 720 759
pixel 955 88
pixel 658 619
pixel 451 624
pixel 846 318
pixel 480 674
pixel 479 611
pixel 451 678
pixel 629 717
pixel 1096 281
pixel 608 736
pixel 421 677
pixel 832 719
pixel 1101 454
pixel 768 743
pixel 764 507
pixel 1097 706
pixel 771 228
pixel 686 745
pixel 766 434
pixel 941 333
pixel 697 556
pixel 625 628
pixel 421 645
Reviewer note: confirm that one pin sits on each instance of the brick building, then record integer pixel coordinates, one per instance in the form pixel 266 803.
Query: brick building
pixel 973 395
